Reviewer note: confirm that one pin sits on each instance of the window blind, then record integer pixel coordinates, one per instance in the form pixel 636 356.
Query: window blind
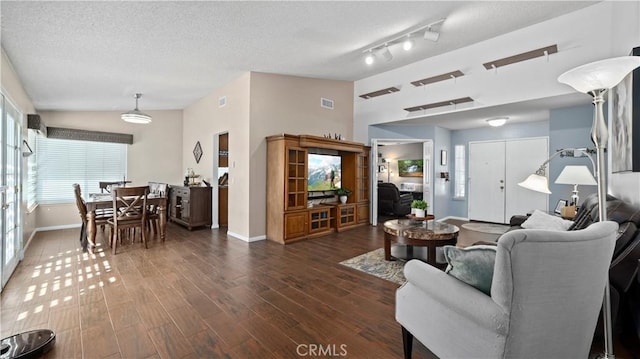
pixel 62 163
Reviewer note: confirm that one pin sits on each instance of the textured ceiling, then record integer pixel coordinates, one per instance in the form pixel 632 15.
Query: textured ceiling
pixel 94 55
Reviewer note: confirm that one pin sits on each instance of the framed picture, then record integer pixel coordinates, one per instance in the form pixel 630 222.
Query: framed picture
pixel 443 157
pixel 561 203
pixel 410 168
pixel 624 109
pixel 197 152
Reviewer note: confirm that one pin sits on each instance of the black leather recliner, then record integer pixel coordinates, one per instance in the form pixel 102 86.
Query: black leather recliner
pixel 391 202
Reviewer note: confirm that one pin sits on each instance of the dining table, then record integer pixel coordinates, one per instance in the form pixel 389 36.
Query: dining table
pixel 105 200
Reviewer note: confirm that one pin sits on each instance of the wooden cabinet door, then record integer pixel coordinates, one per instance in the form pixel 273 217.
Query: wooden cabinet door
pixel 362 214
pixel 295 225
pixel 296 178
pixel 362 177
pixel 319 220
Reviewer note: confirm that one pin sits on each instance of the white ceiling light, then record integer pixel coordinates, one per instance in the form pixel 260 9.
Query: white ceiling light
pixel 407 44
pixel 135 116
pixel 431 35
pixel 497 122
pixel 370 58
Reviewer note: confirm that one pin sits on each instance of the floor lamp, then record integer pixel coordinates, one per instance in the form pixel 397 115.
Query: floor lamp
pixel 596 79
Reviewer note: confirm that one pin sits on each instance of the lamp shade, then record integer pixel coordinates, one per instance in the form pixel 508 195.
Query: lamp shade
pixel 536 183
pixel 576 175
pixel 598 75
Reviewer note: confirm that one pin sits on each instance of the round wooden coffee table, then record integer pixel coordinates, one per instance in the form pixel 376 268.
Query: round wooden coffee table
pixel 430 234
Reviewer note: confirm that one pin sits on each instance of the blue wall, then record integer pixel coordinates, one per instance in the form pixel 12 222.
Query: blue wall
pixel 458 208
pixel 566 127
pixel 569 127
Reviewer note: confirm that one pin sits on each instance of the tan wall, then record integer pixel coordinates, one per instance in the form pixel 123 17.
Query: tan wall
pixel 202 121
pixel 260 105
pixel 12 88
pixel 155 155
pixel 289 104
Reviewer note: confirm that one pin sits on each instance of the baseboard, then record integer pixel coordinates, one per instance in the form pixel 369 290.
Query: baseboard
pixel 54 228
pixel 247 239
pixel 24 249
pixel 454 217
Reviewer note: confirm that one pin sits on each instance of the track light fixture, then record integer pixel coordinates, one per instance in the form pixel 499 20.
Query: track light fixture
pixel 407 44
pixel 370 58
pixel 431 35
pixel 382 49
pixel 386 54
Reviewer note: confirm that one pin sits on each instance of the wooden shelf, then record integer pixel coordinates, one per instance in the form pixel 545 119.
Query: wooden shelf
pixel 543 51
pixel 439 104
pixel 438 78
pixel 386 91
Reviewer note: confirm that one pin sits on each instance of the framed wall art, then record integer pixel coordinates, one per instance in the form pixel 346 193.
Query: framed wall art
pixel 197 152
pixel 624 102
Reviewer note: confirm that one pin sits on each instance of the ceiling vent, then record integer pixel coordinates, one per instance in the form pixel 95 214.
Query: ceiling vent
pixel 34 122
pixel 326 103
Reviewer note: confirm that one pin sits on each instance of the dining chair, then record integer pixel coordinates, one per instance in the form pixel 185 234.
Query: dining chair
pixel 129 211
pixel 102 216
pixel 153 216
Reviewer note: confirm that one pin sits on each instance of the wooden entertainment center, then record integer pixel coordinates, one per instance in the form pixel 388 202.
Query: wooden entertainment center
pixel 290 217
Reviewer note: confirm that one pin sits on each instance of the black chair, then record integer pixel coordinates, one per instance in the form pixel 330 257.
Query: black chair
pixel 391 202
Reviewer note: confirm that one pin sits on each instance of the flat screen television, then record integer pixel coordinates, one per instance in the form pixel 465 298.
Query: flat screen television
pixel 324 172
pixel 410 168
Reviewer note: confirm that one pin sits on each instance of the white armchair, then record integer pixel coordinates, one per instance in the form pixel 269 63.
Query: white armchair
pixel 546 295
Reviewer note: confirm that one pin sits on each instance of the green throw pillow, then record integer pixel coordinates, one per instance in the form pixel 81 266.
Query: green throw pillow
pixel 472 265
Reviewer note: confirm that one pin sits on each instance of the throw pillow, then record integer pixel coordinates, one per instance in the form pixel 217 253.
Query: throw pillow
pixel 541 220
pixel 472 265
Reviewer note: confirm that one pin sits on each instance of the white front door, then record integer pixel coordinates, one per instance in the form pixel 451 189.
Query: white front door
pixel 523 157
pixel 487 181
pixel 10 155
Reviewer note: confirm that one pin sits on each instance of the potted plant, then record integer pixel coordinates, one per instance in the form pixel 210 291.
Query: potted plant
pixel 342 194
pixel 419 207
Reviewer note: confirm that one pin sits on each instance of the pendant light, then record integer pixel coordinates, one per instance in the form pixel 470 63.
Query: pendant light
pixel 135 116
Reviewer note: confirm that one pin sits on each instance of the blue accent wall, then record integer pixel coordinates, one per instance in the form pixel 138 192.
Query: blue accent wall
pixel 569 127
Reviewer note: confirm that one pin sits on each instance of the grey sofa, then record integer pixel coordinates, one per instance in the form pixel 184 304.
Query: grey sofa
pixel 546 296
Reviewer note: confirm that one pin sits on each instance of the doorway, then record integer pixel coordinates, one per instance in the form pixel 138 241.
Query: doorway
pixel 10 213
pixel 221 173
pixel 385 169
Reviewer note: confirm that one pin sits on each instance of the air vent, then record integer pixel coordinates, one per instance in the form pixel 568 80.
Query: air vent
pixel 326 103
pixel 222 101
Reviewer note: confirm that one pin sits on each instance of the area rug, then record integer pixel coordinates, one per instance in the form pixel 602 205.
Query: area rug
pixel 374 263
pixel 486 227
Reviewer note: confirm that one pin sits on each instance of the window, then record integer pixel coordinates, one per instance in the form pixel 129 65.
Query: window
pixel 31 189
pixel 62 163
pixel 460 173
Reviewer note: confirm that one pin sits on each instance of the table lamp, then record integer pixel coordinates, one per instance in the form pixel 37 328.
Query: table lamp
pixel 576 175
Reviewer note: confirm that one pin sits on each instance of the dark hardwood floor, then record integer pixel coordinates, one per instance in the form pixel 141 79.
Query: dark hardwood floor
pixel 203 295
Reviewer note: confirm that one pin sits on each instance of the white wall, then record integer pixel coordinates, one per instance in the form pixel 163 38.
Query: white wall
pixel 600 31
